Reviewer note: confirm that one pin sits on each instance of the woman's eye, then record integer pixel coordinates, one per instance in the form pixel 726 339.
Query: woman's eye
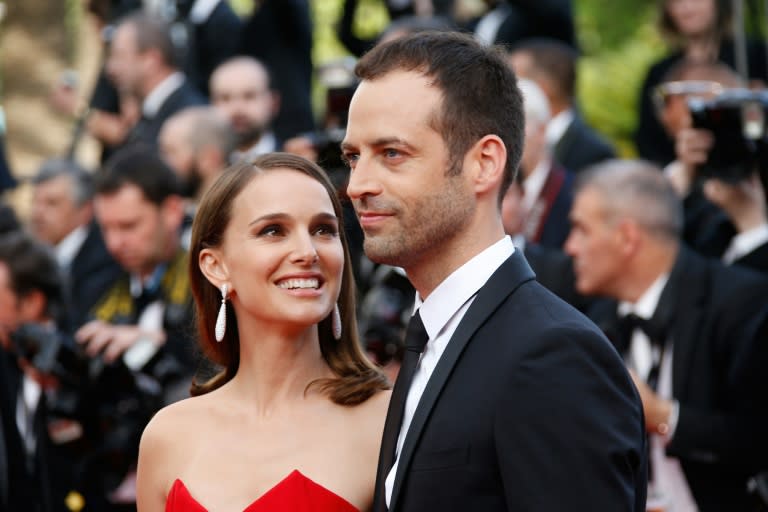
pixel 271 230
pixel 327 229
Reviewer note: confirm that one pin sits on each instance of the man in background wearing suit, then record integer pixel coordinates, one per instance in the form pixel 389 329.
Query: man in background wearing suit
pixel 548 185
pixel 143 65
pixel 518 402
pixel 62 217
pixel 552 65
pixel 692 330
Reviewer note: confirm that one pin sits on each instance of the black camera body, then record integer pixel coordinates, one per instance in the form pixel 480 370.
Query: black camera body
pixel 737 120
pixel 111 403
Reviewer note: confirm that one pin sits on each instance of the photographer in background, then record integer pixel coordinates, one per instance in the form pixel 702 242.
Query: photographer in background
pixel 717 176
pixel 30 293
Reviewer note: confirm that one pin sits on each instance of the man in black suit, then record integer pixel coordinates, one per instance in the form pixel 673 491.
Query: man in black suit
pixel 62 217
pixel 692 331
pixel 142 63
pixel 518 401
pixel 548 185
pixel 552 65
pixel 29 294
pixel 279 34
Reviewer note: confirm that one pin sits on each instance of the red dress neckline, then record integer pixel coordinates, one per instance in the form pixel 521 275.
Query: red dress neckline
pixel 295 493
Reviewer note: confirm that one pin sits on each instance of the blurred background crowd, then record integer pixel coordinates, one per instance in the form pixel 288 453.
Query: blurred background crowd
pixel 117 115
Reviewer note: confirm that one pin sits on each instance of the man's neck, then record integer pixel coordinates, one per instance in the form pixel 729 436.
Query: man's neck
pixel 644 271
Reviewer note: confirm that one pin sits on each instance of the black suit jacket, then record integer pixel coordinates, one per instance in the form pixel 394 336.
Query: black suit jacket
pixel 580 146
pixel 528 407
pixel 91 273
pixel 28 488
pixel 147 129
pixel 716 318
pixel 547 222
pixel 279 33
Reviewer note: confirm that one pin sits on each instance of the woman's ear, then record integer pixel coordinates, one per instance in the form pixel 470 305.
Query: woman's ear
pixel 212 267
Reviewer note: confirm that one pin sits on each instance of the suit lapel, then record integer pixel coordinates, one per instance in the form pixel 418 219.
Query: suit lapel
pixel 507 278
pixel 564 146
pixel 691 284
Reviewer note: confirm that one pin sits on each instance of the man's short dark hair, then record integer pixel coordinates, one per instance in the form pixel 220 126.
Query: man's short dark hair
pixel 480 93
pixel 141 166
pixel 32 267
pixel 82 180
pixel 152 34
pixel 554 60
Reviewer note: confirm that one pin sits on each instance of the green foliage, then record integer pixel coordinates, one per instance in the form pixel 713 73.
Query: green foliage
pixel 619 41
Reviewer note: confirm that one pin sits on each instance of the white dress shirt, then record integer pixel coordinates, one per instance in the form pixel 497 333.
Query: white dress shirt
pixel 441 313
pixel 669 484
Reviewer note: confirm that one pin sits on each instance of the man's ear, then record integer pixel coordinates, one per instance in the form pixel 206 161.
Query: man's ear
pixel 32 307
pixel 630 236
pixel 489 158
pixel 172 210
pixel 213 267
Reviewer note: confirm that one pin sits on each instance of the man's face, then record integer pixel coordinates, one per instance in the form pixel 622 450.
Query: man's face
pixel 9 301
pixel 408 206
pixel 125 64
pixel 178 153
pixel 241 92
pixel 54 213
pixel 594 244
pixel 136 231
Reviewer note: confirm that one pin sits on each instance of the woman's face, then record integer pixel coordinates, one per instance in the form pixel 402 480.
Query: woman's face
pixel 692 17
pixel 281 253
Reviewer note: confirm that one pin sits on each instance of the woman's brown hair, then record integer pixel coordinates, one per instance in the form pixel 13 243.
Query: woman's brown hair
pixel 357 378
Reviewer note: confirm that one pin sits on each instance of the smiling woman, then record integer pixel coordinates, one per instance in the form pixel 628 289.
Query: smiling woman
pixel 297 403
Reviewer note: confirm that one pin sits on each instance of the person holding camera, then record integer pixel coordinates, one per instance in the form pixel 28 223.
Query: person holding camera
pixel 724 198
pixel 140 335
pixel 700 31
pixel 30 294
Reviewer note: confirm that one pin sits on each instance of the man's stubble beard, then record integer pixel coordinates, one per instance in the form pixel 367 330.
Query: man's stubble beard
pixel 425 229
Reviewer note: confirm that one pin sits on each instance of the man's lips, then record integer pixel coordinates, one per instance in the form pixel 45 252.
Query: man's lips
pixel 371 218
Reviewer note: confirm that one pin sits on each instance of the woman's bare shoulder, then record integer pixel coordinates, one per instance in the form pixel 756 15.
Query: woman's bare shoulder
pixel 173 422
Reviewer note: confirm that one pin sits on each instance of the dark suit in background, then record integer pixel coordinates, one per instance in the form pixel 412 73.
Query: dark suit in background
pixel 91 273
pixel 148 127
pixel 279 34
pixel 716 318
pixel 581 146
pixel 527 397
pixel 210 42
pixel 28 482
pixel 547 222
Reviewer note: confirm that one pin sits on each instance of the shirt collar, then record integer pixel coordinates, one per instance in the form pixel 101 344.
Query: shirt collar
pixel 67 249
pixel 160 93
pixel 558 125
pixel 648 301
pixel 534 183
pixel 266 144
pixel 202 10
pixel 460 286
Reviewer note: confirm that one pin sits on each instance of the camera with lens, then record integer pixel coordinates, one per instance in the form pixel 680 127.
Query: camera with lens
pixel 110 402
pixel 737 120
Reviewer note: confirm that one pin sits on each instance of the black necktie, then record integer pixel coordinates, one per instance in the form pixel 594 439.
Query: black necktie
pixel 415 339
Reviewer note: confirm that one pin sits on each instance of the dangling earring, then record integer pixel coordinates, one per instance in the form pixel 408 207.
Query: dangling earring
pixel 221 319
pixel 336 323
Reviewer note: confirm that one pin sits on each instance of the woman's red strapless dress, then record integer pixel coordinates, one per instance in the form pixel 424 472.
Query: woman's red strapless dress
pixel 294 493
